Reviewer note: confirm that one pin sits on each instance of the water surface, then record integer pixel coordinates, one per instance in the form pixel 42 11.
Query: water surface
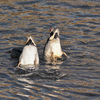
pixel 77 78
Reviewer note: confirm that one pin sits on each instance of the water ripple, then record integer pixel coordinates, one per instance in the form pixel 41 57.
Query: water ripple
pixel 72 79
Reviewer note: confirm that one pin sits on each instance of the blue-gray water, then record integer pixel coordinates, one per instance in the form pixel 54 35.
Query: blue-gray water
pixel 77 78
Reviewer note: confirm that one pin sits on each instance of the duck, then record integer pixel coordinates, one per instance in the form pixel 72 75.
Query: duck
pixel 52 47
pixel 29 55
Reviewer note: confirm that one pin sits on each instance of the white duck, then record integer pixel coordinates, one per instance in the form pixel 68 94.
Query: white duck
pixel 29 53
pixel 53 47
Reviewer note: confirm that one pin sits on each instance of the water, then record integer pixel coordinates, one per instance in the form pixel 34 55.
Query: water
pixel 77 78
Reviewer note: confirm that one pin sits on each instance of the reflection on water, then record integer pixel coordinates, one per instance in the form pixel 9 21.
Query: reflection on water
pixel 72 79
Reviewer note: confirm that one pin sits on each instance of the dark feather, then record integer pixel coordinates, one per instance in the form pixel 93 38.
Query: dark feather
pixel 51 33
pixel 29 43
pixel 56 35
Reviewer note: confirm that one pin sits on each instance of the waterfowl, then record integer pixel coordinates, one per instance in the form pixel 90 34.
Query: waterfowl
pixel 29 53
pixel 53 47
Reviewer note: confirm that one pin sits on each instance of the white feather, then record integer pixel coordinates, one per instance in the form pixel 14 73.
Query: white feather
pixel 29 55
pixel 53 46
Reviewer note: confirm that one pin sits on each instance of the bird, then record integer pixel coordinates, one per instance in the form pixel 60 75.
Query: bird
pixel 52 47
pixel 29 53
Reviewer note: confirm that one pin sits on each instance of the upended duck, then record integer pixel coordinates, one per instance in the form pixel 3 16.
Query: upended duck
pixel 53 47
pixel 29 53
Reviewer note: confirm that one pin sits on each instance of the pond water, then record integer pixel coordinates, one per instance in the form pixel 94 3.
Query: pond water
pixel 77 78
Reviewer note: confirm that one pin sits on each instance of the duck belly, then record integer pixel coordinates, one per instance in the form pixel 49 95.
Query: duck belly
pixel 53 48
pixel 47 50
pixel 56 49
pixel 29 55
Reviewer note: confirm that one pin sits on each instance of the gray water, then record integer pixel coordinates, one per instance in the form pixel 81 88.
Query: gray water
pixel 77 78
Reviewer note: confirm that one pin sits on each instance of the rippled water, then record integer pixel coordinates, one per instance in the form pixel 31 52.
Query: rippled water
pixel 77 78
